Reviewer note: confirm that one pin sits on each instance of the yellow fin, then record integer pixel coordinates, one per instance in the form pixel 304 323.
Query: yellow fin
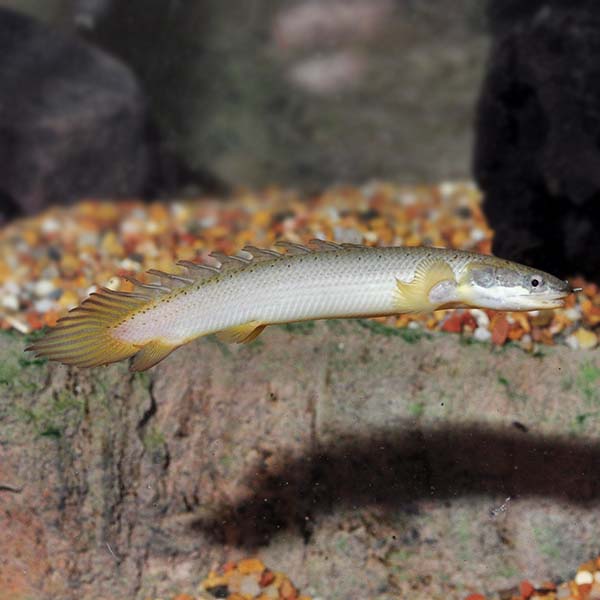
pixel 242 334
pixel 150 354
pixel 84 337
pixel 414 296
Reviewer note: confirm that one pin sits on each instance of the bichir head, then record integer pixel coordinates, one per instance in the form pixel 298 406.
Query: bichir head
pixel 504 285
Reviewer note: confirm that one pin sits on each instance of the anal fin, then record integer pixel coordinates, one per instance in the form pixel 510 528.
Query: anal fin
pixel 242 334
pixel 415 297
pixel 151 354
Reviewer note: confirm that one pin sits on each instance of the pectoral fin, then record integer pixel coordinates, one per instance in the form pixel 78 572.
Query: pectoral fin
pixel 415 296
pixel 242 334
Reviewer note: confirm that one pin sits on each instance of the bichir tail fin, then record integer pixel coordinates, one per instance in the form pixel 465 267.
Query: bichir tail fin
pixel 83 337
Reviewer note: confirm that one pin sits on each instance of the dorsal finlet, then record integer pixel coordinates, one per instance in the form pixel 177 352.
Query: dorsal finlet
pixel 259 254
pixel 154 287
pixel 324 245
pixel 198 269
pixel 170 277
pixel 249 254
pixel 225 259
pixel 118 293
pixel 349 245
pixel 293 248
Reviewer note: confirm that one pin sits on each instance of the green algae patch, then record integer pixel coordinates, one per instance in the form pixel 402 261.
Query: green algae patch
pixel 588 383
pixel 301 327
pixel 19 372
pixel 155 445
pixel 409 335
pixel 51 417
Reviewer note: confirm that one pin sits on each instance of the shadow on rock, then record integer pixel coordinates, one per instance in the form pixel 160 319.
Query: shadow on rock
pixel 393 471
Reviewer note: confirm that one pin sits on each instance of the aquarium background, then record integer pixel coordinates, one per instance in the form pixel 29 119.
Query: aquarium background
pixel 302 93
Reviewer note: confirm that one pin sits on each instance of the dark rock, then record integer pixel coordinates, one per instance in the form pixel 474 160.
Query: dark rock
pixel 537 152
pixel 73 121
pixel 8 207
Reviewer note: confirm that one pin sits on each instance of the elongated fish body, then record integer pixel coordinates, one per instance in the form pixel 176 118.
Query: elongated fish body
pixel 349 283
pixel 263 287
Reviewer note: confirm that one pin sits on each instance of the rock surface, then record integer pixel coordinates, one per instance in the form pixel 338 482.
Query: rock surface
pixel 353 457
pixel 73 121
pixel 538 128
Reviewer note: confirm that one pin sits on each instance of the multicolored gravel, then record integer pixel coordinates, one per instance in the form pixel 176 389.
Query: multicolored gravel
pixel 51 262
pixel 250 579
pixel 585 586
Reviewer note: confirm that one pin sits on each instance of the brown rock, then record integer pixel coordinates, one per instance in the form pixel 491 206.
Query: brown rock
pixel 161 467
pixel 526 590
pixel 499 328
pixel 453 324
pixel 24 563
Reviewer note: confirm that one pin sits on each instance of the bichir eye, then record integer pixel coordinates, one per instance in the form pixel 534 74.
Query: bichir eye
pixel 535 282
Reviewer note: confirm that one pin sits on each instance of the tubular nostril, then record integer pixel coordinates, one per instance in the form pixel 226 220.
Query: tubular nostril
pixel 573 290
pixel 569 289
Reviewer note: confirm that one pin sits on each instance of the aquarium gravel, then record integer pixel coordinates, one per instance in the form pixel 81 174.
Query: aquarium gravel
pixel 584 586
pixel 250 579
pixel 50 262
